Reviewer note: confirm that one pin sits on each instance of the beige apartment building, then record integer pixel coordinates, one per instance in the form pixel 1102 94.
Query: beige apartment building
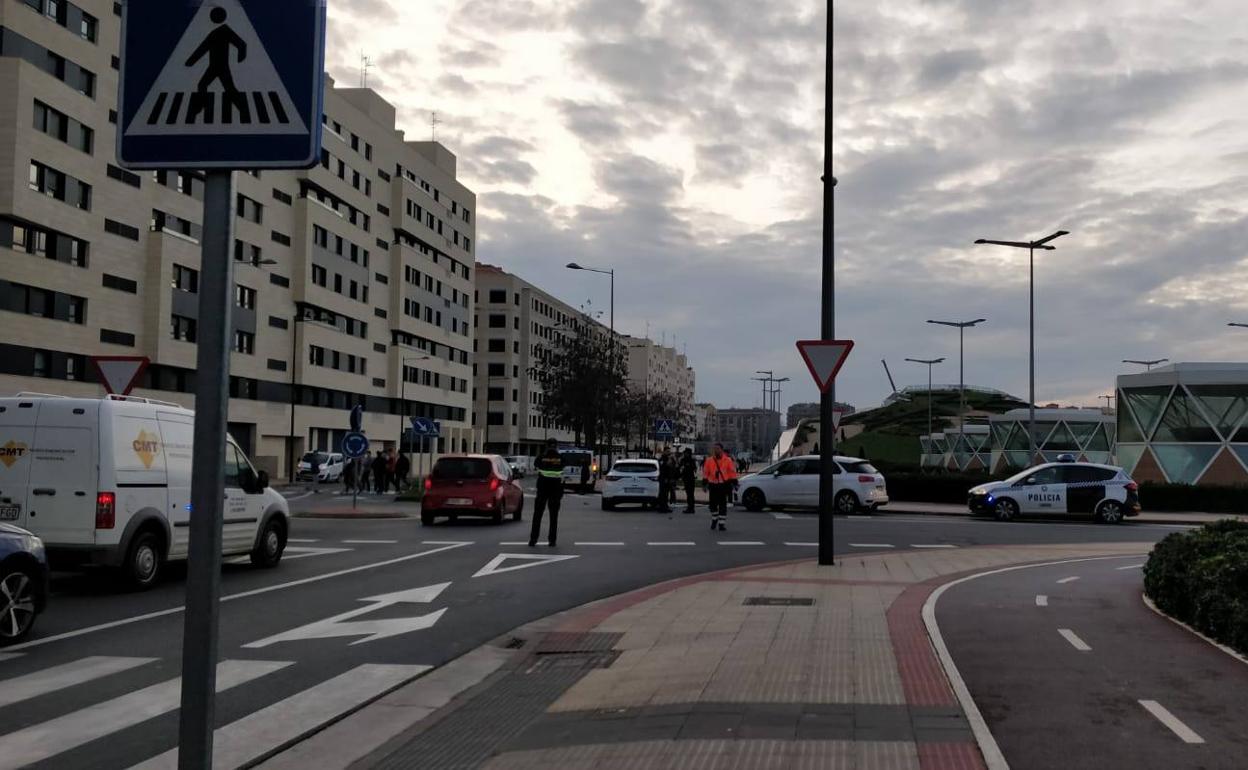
pixel 655 368
pixel 353 279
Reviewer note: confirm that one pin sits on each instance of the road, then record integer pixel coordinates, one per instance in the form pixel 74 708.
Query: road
pixel 1070 669
pixel 358 608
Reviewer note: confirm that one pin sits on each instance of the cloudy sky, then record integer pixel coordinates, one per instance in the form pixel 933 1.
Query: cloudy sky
pixel 680 141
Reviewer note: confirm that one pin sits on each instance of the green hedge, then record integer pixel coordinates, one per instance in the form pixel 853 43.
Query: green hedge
pixel 1201 578
pixel 1186 497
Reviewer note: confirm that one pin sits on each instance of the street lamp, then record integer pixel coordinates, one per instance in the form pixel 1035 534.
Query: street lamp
pixel 611 397
pixel 1240 326
pixel 1031 247
pixel 929 362
pixel 961 326
pixel 776 390
pixel 1149 364
pixel 294 363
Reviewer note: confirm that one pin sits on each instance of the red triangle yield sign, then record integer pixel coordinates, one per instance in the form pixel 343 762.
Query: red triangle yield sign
pixel 824 358
pixel 119 374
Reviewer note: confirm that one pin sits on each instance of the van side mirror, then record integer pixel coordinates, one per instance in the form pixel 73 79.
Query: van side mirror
pixel 262 481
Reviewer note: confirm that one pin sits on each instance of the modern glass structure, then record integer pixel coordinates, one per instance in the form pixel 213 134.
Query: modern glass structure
pixel 1088 434
pixel 1185 424
pixel 955 451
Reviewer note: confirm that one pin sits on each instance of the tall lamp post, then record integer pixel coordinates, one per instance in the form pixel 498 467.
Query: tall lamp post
pixel 611 399
pixel 929 363
pixel 1031 247
pixel 1148 364
pixel 294 389
pixel 962 326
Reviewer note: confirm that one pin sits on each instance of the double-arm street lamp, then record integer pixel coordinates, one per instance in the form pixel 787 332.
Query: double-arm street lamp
pixel 1031 247
pixel 961 326
pixel 929 363
pixel 1148 364
pixel 611 397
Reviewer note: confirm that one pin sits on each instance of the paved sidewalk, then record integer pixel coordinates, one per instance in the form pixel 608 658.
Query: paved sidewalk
pixel 783 666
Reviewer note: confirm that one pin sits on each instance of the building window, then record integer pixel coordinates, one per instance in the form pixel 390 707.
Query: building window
pixel 277 365
pixel 185 279
pixel 42 364
pixel 59 185
pixel 121 284
pixel 498 346
pixel 123 176
pixel 497 370
pixel 498 296
pixel 61 127
pixel 244 342
pixel 320 276
pixel 249 209
pixel 279 280
pixel 280 238
pixel 282 197
pixel 183 328
pixel 498 321
pixel 245 297
pixel 116 338
pixel 122 230
pixel 278 323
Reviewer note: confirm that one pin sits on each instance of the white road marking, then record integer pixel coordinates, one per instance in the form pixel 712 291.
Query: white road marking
pixel 860 517
pixel 741 542
pixel 292 552
pixel 514 542
pixel 594 543
pixel 369 542
pixel 1042 600
pixel 291 499
pixel 1185 733
pixel 302 540
pixel 445 542
pixel 1131 566
pixel 1074 640
pixel 233 597
pixel 495 565
pixel 934 545
pixel 685 542
pixel 50 680
pixel 288 721
pixel 9 655
pixel 48 739
pixel 1068 580
pixel 345 624
pixel 802 545
pixel 778 515
pixel 872 545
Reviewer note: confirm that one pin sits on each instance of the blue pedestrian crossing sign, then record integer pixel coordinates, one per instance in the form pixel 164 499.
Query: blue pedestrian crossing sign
pixel 664 428
pixel 221 84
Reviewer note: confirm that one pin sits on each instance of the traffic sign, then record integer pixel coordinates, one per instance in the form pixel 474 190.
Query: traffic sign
pixel 221 84
pixel 355 445
pixel 119 374
pixel 837 414
pixel 664 428
pixel 824 358
pixel 356 419
pixel 423 426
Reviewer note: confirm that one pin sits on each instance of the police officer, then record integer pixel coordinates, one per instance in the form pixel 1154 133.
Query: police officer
pixel 549 469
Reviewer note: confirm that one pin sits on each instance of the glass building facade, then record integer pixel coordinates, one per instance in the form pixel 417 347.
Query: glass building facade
pixel 954 450
pixel 1185 424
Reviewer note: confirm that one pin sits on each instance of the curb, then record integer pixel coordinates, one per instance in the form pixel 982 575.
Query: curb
pixel 1224 648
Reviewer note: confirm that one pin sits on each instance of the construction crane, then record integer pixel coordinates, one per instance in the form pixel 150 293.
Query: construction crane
pixel 891 384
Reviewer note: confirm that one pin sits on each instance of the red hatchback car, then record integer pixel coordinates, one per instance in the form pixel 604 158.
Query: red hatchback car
pixel 473 485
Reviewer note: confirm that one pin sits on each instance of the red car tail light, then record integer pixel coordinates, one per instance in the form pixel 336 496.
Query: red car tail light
pixel 866 479
pixel 615 478
pixel 428 484
pixel 105 510
pixel 494 484
pixel 1132 486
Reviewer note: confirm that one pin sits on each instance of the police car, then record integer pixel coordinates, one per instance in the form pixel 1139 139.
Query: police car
pixel 1060 489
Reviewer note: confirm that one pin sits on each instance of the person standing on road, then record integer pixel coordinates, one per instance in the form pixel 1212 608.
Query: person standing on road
pixel 364 471
pixel 667 480
pixel 392 471
pixel 348 477
pixel 688 475
pixel 379 473
pixel 402 467
pixel 316 473
pixel 720 473
pixel 549 469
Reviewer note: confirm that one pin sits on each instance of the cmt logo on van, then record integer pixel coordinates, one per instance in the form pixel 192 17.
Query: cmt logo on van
pixel 11 452
pixel 146 446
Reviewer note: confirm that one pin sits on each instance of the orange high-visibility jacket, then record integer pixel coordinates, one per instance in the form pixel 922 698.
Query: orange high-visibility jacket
pixel 719 471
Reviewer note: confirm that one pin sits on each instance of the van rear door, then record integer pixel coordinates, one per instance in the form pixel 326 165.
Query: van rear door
pixel 63 468
pixel 17 436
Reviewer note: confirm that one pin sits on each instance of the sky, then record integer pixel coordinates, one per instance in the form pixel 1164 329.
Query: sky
pixel 680 142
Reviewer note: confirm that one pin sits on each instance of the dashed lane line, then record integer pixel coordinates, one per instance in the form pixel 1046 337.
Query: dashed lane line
pixel 302 540
pixel 802 545
pixel 9 655
pixel 1065 580
pixel 685 542
pixel 778 515
pixel 370 542
pixel 1074 640
pixel 932 545
pixel 1163 715
pixel 597 544
pixel 1042 600
pixel 1131 566
pixel 872 545
pixel 741 542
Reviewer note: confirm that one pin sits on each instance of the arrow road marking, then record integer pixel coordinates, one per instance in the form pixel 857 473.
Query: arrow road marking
pixel 373 630
pixel 530 560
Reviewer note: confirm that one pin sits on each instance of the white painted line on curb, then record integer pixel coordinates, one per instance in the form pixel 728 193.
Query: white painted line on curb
pixel 802 545
pixel 1131 566
pixel 939 545
pixel 232 597
pixel 1074 640
pixel 1068 580
pixel 1042 600
pixel 778 515
pixel 686 542
pixel 741 542
pixel 872 545
pixel 594 543
pixel 993 757
pixel 1185 733
pixel 9 655
pixel 370 542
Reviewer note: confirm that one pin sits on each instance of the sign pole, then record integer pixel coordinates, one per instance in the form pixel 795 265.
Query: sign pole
pixel 203 580
pixel 827 447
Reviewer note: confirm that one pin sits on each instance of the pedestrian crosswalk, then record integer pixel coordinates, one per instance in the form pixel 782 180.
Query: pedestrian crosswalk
pixel 269 728
pixel 201 107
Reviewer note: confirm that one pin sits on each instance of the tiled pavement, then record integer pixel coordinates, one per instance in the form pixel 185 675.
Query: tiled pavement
pixel 687 674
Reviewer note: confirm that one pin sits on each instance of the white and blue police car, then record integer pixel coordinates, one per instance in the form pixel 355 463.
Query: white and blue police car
pixel 1060 489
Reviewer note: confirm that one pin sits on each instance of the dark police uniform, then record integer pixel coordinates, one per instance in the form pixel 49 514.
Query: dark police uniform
pixel 549 469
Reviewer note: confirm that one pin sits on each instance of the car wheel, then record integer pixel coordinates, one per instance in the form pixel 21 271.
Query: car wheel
pixel 427 517
pixel 518 514
pixel 1005 509
pixel 145 561
pixel 607 504
pixel 754 500
pixel 846 502
pixel 268 551
pixel 17 604
pixel 1110 512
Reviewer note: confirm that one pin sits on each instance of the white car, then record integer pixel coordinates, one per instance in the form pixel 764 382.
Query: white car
pixel 108 482
pixel 520 465
pixel 631 481
pixel 794 483
pixel 331 466
pixel 1058 489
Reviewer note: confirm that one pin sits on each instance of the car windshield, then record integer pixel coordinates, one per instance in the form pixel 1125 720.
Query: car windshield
pixel 635 468
pixel 319 457
pixel 462 469
pixel 858 466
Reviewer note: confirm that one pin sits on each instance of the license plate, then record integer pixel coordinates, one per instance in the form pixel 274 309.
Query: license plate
pixel 634 491
pixel 459 501
pixel 10 512
pixel 572 472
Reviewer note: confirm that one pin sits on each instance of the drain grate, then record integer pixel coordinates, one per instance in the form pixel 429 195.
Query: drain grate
pixel 514 643
pixel 779 601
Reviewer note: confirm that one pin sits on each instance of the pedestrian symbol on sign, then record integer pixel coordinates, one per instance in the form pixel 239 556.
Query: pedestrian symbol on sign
pixel 219 81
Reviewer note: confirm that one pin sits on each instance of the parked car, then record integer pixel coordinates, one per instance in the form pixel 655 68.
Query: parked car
pixel 631 481
pixel 794 483
pixel 330 467
pixel 1060 489
pixel 108 482
pixel 520 465
pixel 23 582
pixel 472 485
pixel 578 469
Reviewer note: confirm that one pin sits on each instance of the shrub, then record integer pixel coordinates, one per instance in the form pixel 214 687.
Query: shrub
pixel 1201 578
pixel 1186 497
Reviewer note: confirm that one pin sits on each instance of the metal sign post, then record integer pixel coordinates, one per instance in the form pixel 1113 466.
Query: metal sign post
pixel 216 85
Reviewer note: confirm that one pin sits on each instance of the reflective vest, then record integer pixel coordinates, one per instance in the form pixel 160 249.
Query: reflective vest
pixel 550 467
pixel 719 471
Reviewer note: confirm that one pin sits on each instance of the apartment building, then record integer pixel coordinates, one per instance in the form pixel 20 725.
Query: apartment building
pixel 655 368
pixel 748 430
pixel 514 320
pixel 353 279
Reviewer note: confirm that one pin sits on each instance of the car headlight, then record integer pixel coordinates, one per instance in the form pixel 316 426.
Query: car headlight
pixel 979 491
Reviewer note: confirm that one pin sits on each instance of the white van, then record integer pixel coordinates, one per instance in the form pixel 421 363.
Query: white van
pixel 108 482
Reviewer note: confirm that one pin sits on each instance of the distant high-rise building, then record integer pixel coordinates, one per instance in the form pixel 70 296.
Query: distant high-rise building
pixel 799 412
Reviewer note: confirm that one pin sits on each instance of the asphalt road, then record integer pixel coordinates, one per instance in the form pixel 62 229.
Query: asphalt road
pixel 360 607
pixel 1087 676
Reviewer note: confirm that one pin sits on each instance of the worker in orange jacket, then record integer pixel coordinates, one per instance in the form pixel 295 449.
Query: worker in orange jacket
pixel 720 473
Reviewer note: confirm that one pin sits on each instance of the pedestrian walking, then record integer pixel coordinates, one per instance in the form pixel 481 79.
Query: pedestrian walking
pixel 348 477
pixel 402 467
pixel 364 474
pixel 688 468
pixel 549 469
pixel 392 471
pixel 667 480
pixel 720 473
pixel 316 473
pixel 379 473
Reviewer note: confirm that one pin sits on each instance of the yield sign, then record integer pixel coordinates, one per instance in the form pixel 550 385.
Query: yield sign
pixel 824 358
pixel 372 630
pixel 528 560
pixel 119 373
